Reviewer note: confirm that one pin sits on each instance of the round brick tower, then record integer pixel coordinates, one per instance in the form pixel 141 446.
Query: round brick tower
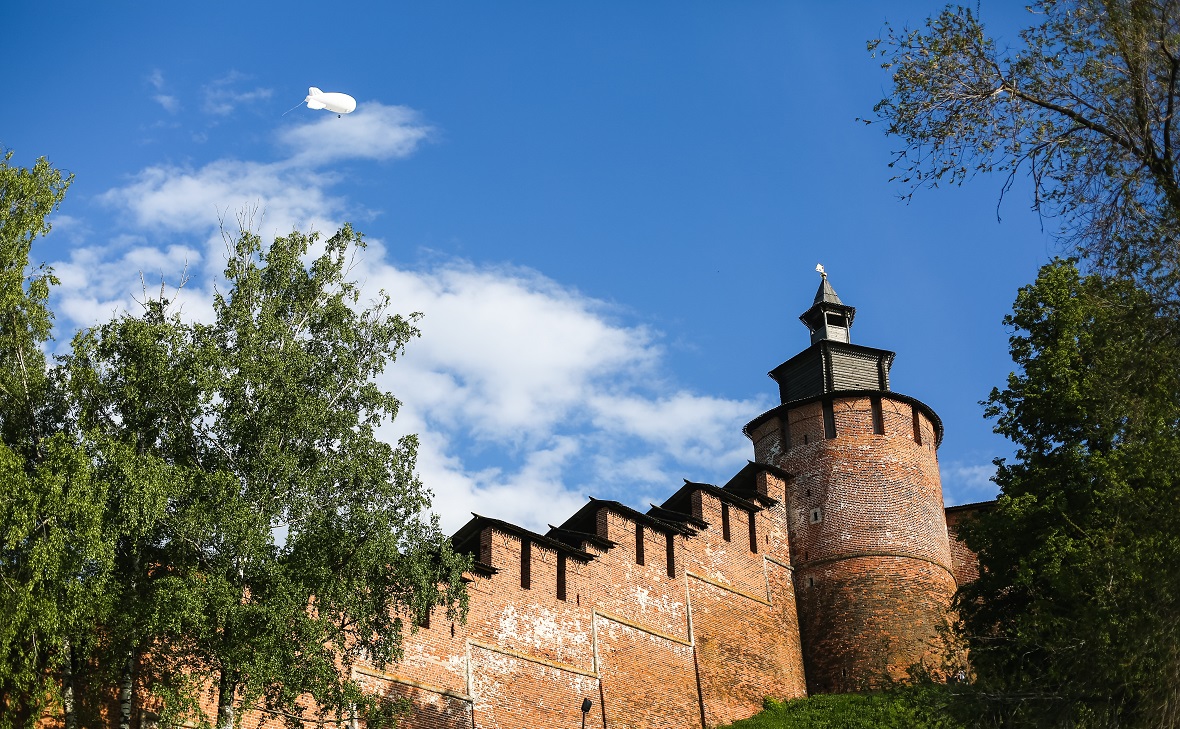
pixel 868 537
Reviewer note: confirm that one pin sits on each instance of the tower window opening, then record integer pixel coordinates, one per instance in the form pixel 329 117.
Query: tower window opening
pixel 836 320
pixel 560 576
pixel 878 417
pixel 526 564
pixel 725 521
pixel 817 515
pixel 811 582
pixel 670 548
pixel 753 534
pixel 917 427
pixel 638 543
pixel 829 420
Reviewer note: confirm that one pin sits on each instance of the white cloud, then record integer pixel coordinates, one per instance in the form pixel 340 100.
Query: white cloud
pixel 512 370
pixel 289 194
pixel 694 426
pixel 188 200
pixel 510 350
pixel 99 281
pixel 170 103
pixel 222 98
pixel 373 131
pixel 966 483
pixel 532 494
pixel 572 401
pixel 527 395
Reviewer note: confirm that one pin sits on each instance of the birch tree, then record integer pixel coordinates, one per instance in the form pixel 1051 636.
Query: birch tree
pixel 290 540
pixel 54 554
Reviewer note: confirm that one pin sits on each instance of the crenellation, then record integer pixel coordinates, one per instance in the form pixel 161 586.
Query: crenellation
pixel 727 562
pixel 644 593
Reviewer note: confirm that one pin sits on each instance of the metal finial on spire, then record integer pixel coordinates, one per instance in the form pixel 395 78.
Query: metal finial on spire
pixel 820 267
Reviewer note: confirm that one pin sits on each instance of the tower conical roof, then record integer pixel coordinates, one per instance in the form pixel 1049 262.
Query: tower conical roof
pixel 826 294
pixel 828 317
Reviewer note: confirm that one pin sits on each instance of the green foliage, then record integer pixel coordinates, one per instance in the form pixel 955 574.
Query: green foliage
pixel 27 197
pixel 291 429
pixel 206 502
pixel 1072 622
pixel 54 566
pixel 54 556
pixel 276 538
pixel 129 382
pixel 1083 104
pixel 904 709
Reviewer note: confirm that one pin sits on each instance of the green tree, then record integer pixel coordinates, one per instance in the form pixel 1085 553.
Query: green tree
pixel 135 388
pixel 278 539
pixel 1084 104
pixel 292 440
pixel 207 504
pixel 54 554
pixel 1072 621
pixel 54 562
pixel 27 197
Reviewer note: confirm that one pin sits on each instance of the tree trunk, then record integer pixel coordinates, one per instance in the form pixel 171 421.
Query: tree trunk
pixel 225 701
pixel 127 682
pixel 69 689
pixel 127 691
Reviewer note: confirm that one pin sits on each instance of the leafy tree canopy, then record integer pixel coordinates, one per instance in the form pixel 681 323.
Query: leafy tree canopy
pixel 27 197
pixel 1084 105
pixel 288 539
pixel 1072 621
pixel 54 555
pixel 192 506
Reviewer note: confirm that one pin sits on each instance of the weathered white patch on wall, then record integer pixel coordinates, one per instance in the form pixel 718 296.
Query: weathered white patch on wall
pixel 542 629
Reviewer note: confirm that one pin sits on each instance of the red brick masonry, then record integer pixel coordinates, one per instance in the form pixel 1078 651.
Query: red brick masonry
pixel 823 566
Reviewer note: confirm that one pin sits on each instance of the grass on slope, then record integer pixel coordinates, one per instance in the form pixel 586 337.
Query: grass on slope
pixel 892 710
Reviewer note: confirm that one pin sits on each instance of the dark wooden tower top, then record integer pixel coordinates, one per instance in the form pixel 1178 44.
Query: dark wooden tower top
pixel 828 317
pixel 832 363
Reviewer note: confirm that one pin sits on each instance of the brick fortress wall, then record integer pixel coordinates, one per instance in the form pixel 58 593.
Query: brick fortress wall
pixel 685 616
pixel 690 614
pixel 685 619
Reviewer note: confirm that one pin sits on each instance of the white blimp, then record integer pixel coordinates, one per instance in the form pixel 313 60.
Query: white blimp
pixel 332 101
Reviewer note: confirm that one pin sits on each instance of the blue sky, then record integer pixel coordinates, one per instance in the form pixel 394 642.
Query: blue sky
pixel 610 213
